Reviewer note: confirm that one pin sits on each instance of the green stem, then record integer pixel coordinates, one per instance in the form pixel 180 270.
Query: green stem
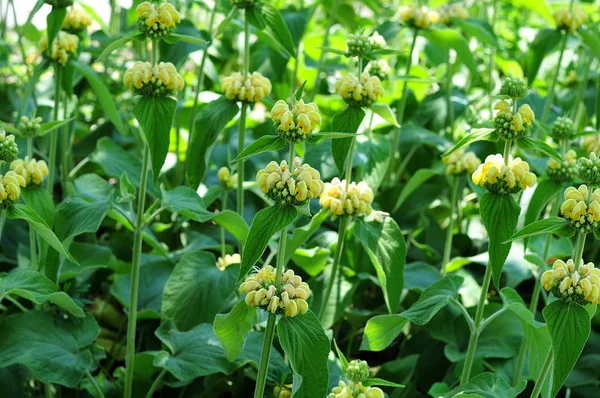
pixel 539 382
pixel 578 250
pixel 332 14
pixel 135 274
pixel 66 150
pixel 507 149
pixel 344 221
pixel 48 390
pixel 94 384
pixel 476 327
pixel 449 105
pixel 223 208
pixel 349 162
pixel 550 94
pixel 156 383
pixel 492 60
pixel 450 229
pixel 241 163
pixel 32 238
pixel 2 222
pixel 53 134
pixel 579 105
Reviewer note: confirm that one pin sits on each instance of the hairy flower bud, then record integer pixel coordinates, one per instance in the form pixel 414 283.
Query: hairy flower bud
pixel 8 147
pixel 563 129
pixel 363 92
pixel 229 259
pixel 460 162
pixel 157 20
pixel 358 45
pixel 356 200
pixel 355 390
pixel 227 179
pixel 253 89
pixel 76 21
pixel 588 169
pixel 564 171
pixel 500 178
pixel 514 87
pixel 581 208
pixel 295 186
pixel 64 44
pixel 33 171
pixel 295 122
pixel 153 81
pixel 357 371
pixel 379 68
pixel 580 286
pixel 10 188
pixel 30 127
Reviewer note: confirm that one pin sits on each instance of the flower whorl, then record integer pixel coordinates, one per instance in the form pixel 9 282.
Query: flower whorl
pixel 64 44
pixel 356 200
pixel 33 171
pixel 295 122
pixel 459 162
pixel 10 188
pixel 153 81
pixel 252 89
pixel 363 92
pixel 295 186
pixel 157 20
pixel 497 177
pixel 581 208
pixel 580 286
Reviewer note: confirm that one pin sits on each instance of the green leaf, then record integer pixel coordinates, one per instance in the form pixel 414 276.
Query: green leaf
pixel 545 41
pixel 187 202
pixel 126 188
pixel 554 225
pixel 451 39
pixel 591 39
pixel 76 216
pixel 376 149
pixel 54 349
pixel 346 121
pixel 545 191
pixel 196 283
pixel 538 145
pixel 433 299
pixel 35 287
pixel 40 200
pixel 483 134
pixel 54 21
pixel 334 51
pixel 500 215
pixel 233 328
pixel 299 91
pixel 45 128
pixel 487 385
pixel 477 28
pixel 175 37
pixel 302 234
pixel 211 120
pixel 381 331
pixel 538 6
pixel 386 113
pixel 104 96
pixel 266 223
pixel 322 135
pixel 265 143
pixel 91 257
pixel 29 89
pixel 24 212
pixel 341 356
pixel 569 327
pixel 119 42
pixel 417 179
pixel 307 347
pixel 384 243
pixel 155 116
pixel 375 381
pixel 233 223
pixel 275 25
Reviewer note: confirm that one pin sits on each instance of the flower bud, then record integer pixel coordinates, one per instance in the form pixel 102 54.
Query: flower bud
pixel 358 45
pixel 562 129
pixel 570 21
pixel 76 21
pixel 295 122
pixel 253 89
pixel 357 371
pixel 229 259
pixel 8 147
pixel 460 162
pixel 10 188
pixel 573 286
pixel 356 200
pixel 581 208
pixel 378 68
pixel 64 45
pixel 588 169
pixel 564 171
pixel 514 88
pixel 419 18
pixel 293 186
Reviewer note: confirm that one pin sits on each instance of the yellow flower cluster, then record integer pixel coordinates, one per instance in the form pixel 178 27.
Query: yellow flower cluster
pixel 379 68
pixel 570 21
pixel 153 81
pixel 591 143
pixel 10 188
pixel 286 298
pixel 227 179
pixel 8 147
pixel 76 21
pixel 582 208
pixel 497 177
pixel 295 122
pixel 580 286
pixel 64 44
pixel 447 12
pixel 284 391
pixel 361 92
pixel 33 171
pixel 253 89
pixel 418 17
pixel 459 162
pixel 513 126
pixel 229 259
pixel 563 171
pixel 295 186
pixel 355 390
pixel 355 200
pixel 155 21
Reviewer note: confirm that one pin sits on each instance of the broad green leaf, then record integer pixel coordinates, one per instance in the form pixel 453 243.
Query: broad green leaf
pixel 196 283
pixel 346 121
pixel 376 150
pixel 119 42
pixel 381 331
pixel 24 212
pixel 591 40
pixel 233 328
pixel 487 385
pixel 54 349
pixel 90 257
pixel 35 287
pixel 266 223
pixel 302 234
pixel 483 134
pixel 433 299
pixel 554 225
pixel 417 179
pixel 500 215
pixel 265 143
pixel 77 215
pixel 538 145
pixel 276 26
pixel 384 243
pixel 211 120
pixel 451 39
pixel 155 116
pixel 233 223
pixel 569 326
pixel 187 202
pixel 477 28
pixel 386 113
pixel 40 200
pixel 307 347
pixel 545 41
pixel 545 191
pixel 54 21
pixel 102 93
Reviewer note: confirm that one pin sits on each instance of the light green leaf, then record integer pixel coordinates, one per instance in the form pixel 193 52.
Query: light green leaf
pixel 477 28
pixel 433 299
pixel 233 223
pixel 381 331
pixel 545 41
pixel 307 347
pixel 40 200
pixel 346 121
pixel 386 113
pixel 554 225
pixel 375 381
pixel 266 223
pixel 302 234
pixel 265 143
pixel 545 191
pixel 451 39
pixel 276 26
pixel 591 39
pixel 376 150
pixel 417 179
pixel 175 37
pixel 487 385
pixel 187 202
pixel 233 328
pixel 45 128
pixel 384 243
pixel 197 283
pixel 483 134
pixel 120 42
pixel 155 116
pixel 77 215
pixel 54 21
pixel 538 145
pixel 341 356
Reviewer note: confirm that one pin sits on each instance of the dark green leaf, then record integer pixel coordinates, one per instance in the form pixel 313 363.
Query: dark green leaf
pixel 591 39
pixel 276 26
pixel 538 145
pixel 554 225
pixel 76 216
pixel 487 385
pixel 265 143
pixel 346 121
pixel 299 91
pixel 374 381
pixel 341 356
pixel 545 41
pixel 233 223
pixel 233 328
pixel 54 21
pixel 417 179
pixel 40 200
pixel 433 299
pixel 187 202
pixel 482 134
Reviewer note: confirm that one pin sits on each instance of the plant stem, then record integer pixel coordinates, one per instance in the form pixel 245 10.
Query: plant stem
pixel 94 383
pixel 450 229
pixel 401 108
pixel 578 250
pixel 507 149
pixel 539 382
pixel 2 222
pixel 223 208
pixel 492 60
pixel 242 126
pixel 550 94
pixel 579 105
pixel 156 383
pixel 449 106
pixel 66 150
pixel 32 241
pixel 332 13
pixel 476 326
pixel 53 134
